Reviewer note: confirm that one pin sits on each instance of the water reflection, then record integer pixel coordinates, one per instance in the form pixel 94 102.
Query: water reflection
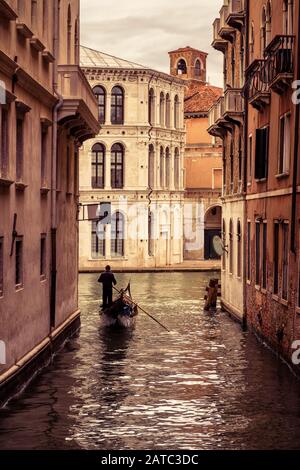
pixel 205 385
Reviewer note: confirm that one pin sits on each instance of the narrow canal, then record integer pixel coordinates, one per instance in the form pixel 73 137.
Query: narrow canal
pixel 205 385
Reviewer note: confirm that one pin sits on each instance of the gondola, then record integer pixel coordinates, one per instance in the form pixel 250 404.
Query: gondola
pixel 123 311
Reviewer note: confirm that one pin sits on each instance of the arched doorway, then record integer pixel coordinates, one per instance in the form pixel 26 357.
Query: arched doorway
pixel 212 227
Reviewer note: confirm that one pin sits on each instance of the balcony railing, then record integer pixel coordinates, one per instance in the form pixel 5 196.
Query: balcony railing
pixel 234 105
pixel 280 62
pixel 218 43
pixel 236 14
pixel 226 31
pixel 215 118
pixel 80 109
pixel 257 84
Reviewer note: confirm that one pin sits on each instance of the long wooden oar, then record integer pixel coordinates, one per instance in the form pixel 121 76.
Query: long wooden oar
pixel 144 311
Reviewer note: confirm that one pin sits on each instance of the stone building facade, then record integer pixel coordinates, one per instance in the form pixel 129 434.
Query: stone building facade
pixel 202 156
pixel 273 210
pixel 133 167
pixel 226 121
pixel 47 110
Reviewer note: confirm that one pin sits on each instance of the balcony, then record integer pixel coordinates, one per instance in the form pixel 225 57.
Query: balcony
pixel 236 14
pixel 257 84
pixel 7 10
pixel 218 43
pixel 280 63
pixel 79 113
pixel 234 106
pixel 226 31
pixel 216 119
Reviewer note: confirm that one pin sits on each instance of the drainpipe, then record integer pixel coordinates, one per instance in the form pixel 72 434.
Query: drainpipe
pixel 54 166
pixel 296 146
pixel 245 186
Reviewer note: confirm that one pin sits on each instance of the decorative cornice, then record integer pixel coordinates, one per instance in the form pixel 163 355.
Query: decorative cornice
pixel 7 65
pixel 33 87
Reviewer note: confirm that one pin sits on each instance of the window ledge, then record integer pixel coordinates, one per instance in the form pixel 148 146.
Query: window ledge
pixel 258 288
pixel 248 282
pixel 280 301
pixel 5 182
pixel 261 180
pixel 43 278
pixel 282 175
pixel 264 291
pixel 24 31
pixel 19 287
pixel 21 186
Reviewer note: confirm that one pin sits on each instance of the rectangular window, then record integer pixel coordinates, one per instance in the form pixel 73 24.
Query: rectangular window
pixel 250 156
pixel 276 259
pixel 68 171
pixel 285 260
pixel 264 269
pixel 257 253
pixel 98 240
pixel 44 149
pixel 249 251
pixel 284 144
pixel 4 142
pixel 43 252
pixel 20 149
pixel 19 262
pixel 262 153
pixel 1 265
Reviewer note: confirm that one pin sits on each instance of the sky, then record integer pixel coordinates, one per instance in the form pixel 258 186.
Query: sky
pixel 145 31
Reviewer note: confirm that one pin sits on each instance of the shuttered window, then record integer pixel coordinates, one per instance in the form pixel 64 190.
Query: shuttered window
pixel 261 153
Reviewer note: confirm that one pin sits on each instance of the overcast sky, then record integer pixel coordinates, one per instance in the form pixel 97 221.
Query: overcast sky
pixel 144 31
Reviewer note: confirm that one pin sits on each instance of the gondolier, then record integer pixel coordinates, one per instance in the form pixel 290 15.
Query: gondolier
pixel 107 279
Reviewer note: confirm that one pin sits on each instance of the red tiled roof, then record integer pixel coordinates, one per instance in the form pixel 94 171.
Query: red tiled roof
pixel 199 97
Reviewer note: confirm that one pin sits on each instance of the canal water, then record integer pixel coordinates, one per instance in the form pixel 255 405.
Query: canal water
pixel 205 385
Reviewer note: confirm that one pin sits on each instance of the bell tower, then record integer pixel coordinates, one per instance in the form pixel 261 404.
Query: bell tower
pixel 188 63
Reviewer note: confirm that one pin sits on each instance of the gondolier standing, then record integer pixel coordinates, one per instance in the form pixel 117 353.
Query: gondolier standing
pixel 107 279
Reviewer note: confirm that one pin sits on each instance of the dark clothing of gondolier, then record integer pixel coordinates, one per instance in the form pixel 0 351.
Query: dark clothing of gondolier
pixel 107 279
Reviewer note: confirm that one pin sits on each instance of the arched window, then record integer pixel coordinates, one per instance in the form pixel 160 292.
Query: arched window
pixel 98 166
pixel 268 22
pixel 168 168
pixel 231 247
pixel 197 68
pixel 117 105
pixel 176 169
pixel 233 67
pixel 98 240
pixel 117 234
pixel 117 166
pixel 162 168
pixel 224 244
pixel 162 109
pixel 288 17
pixel 168 111
pixel 181 67
pixel 151 104
pixel 34 14
pixel 176 112
pixel 76 42
pixel 151 233
pixel 69 33
pixel 231 164
pixel 263 32
pixel 100 94
pixel 251 41
pixel 151 167
pixel 239 249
